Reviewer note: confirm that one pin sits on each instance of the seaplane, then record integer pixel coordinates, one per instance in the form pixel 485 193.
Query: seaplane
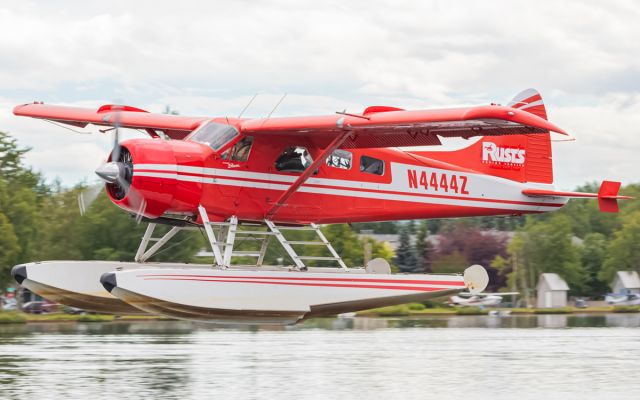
pixel 260 179
pixel 466 299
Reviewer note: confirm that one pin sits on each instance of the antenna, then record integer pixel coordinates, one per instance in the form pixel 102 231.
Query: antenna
pixel 274 108
pixel 248 104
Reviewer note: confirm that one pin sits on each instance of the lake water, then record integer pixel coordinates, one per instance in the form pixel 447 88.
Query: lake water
pixel 519 357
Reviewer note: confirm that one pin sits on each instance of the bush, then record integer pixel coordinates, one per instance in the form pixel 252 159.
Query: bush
pixel 11 317
pixel 416 307
pixel 438 302
pixel 563 310
pixel 471 311
pixel 626 309
pixel 392 311
pixel 95 318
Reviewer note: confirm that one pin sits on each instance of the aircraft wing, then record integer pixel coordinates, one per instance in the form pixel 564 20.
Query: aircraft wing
pixel 174 126
pixel 391 127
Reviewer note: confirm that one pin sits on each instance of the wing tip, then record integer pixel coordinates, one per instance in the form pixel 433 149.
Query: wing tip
pixel 17 109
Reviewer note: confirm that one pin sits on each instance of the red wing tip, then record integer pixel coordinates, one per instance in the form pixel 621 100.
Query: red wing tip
pixel 17 108
pixel 561 131
pixel 555 128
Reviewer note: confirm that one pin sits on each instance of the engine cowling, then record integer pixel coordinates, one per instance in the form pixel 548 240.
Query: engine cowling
pixel 146 181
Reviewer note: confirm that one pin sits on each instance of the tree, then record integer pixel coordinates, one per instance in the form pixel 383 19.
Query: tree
pixel 106 232
pixel 347 244
pixel 11 157
pixel 546 246
pixel 474 246
pixel 424 249
pixel 21 191
pixel 405 253
pixel 623 253
pixel 453 263
pixel 9 249
pixel 376 227
pixel 594 251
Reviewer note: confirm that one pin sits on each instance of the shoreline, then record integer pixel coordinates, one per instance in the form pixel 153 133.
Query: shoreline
pixel 406 310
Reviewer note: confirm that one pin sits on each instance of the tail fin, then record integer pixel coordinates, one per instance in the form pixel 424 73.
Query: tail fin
pixel 522 158
pixel 531 101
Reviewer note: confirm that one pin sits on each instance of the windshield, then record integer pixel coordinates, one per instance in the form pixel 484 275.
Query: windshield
pixel 214 135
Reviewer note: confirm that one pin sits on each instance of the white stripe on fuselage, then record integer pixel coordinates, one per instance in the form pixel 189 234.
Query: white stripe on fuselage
pixel 484 191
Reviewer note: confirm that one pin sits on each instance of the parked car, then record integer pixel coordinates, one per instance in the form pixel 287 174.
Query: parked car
pixel 581 303
pixel 40 307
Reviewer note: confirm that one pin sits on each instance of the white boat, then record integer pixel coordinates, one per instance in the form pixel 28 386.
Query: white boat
pixel 256 295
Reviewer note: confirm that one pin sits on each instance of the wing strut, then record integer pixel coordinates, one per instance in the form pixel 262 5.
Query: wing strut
pixel 335 143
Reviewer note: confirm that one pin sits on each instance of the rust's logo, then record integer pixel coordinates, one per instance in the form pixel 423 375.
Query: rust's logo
pixel 502 157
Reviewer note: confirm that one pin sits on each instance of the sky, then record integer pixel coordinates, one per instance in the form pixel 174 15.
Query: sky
pixel 208 58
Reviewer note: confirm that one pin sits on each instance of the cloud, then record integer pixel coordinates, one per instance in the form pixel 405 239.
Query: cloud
pixel 211 57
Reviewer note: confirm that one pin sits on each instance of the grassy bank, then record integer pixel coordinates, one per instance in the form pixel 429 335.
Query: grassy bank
pixel 15 317
pixel 626 309
pixel 11 317
pixel 416 309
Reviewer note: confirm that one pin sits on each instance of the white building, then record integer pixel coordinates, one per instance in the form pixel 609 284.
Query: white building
pixel 626 282
pixel 552 291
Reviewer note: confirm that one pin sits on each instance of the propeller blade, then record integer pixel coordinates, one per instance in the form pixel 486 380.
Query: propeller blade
pixel 87 196
pixel 115 153
pixel 136 200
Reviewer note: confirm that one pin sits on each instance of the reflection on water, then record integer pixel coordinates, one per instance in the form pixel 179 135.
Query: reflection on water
pixel 372 358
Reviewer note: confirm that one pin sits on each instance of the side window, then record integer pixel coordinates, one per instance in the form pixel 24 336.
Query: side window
pixel 371 165
pixel 340 159
pixel 240 151
pixel 293 159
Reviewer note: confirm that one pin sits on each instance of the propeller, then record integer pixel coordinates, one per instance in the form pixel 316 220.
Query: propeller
pixel 87 197
pixel 117 174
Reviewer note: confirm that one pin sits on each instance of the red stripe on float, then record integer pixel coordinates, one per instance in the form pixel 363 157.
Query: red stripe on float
pixel 368 280
pixel 412 288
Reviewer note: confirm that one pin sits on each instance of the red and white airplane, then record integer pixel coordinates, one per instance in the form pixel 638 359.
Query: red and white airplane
pixel 224 174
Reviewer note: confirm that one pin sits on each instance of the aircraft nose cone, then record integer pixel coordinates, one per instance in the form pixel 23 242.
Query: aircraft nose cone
pixel 108 172
pixel 19 273
pixel 108 280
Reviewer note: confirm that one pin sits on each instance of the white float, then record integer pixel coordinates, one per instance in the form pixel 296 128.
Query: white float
pixel 256 295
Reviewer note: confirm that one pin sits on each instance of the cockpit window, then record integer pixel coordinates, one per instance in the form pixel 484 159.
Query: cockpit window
pixel 239 151
pixel 340 159
pixel 294 159
pixel 371 165
pixel 214 135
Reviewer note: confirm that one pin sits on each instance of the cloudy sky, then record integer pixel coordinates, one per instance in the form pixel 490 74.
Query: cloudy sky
pixel 209 58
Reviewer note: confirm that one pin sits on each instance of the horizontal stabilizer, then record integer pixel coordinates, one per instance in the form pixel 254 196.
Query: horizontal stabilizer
pixel 607 195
